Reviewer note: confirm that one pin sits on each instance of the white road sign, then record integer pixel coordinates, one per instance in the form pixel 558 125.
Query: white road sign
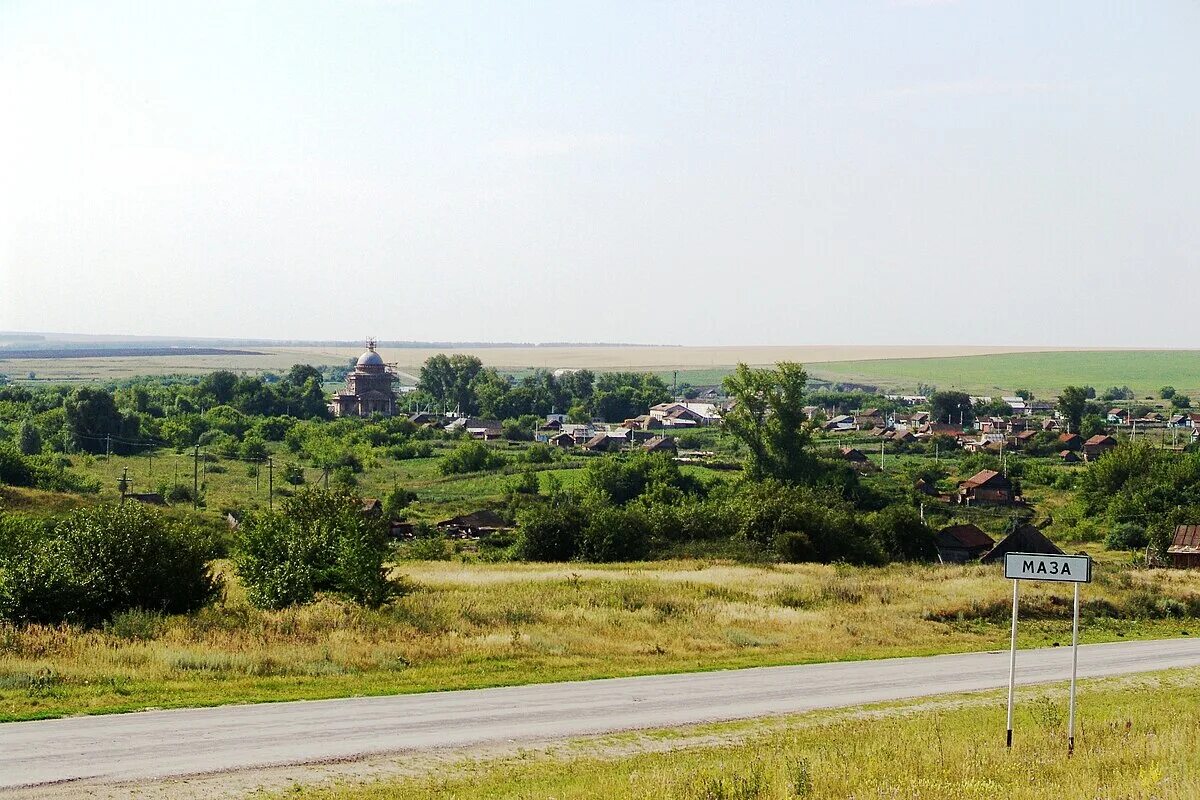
pixel 1040 567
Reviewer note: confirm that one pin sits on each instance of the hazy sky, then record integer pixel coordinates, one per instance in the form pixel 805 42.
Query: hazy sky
pixel 737 173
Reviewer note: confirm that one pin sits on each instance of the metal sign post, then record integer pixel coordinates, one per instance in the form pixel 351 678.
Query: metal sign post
pixel 1060 569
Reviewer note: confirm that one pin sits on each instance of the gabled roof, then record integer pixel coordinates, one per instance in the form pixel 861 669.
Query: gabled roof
pixel 659 444
pixel 966 535
pixel 1068 437
pixel 1187 539
pixel 1025 539
pixel 1099 439
pixel 985 477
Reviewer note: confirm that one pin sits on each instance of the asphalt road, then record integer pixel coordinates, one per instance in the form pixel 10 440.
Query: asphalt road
pixel 154 745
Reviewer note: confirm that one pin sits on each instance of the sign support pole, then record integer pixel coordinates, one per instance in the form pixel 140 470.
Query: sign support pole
pixel 1074 670
pixel 1012 663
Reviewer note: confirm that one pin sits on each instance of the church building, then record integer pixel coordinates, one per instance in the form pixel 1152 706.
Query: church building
pixel 368 388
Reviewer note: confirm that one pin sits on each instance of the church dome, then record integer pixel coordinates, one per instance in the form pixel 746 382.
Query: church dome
pixel 370 359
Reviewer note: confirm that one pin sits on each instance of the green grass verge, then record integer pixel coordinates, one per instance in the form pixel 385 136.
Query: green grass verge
pixel 1137 737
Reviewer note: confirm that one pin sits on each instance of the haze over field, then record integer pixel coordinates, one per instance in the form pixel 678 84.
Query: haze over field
pixel 771 173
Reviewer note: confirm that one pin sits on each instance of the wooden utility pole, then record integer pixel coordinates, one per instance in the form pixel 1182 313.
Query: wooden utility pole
pixel 196 477
pixel 270 483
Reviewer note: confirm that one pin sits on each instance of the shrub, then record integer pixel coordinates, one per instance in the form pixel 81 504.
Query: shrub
pixel 549 532
pixel 1127 536
pixel 104 560
pixel 320 541
pixel 613 534
pixel 794 547
pixel 471 457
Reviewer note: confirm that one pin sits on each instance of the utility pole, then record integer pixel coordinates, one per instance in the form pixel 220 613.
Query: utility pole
pixel 151 454
pixel 195 477
pixel 124 483
pixel 107 446
pixel 270 483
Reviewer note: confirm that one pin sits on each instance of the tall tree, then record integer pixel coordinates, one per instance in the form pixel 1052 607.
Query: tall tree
pixel 1072 403
pixel 952 407
pixel 768 417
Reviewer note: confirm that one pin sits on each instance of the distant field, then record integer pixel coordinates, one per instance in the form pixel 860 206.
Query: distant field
pixel 1042 373
pixel 661 359
pixel 980 370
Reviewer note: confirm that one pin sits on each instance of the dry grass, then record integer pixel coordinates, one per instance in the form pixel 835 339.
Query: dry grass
pixel 1137 738
pixel 466 626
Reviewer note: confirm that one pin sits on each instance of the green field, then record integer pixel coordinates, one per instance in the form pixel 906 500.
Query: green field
pixel 1042 373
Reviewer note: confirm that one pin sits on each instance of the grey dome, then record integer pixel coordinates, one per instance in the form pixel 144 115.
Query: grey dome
pixel 370 359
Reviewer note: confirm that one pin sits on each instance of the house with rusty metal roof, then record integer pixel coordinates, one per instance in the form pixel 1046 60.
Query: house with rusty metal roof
pixel 1098 445
pixel 1184 551
pixel 985 486
pixel 958 544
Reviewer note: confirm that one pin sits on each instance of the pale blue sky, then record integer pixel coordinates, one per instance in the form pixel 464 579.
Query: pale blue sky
pixel 741 173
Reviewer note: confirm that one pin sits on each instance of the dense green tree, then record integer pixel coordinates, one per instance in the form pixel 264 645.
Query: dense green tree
pixel 30 438
pixel 768 418
pixel 448 380
pixel 218 387
pixel 1166 392
pixel 1072 403
pixel 93 421
pixel 952 408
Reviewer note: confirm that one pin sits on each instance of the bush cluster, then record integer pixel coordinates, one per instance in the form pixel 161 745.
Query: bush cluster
pixel 100 561
pixel 319 541
pixel 627 509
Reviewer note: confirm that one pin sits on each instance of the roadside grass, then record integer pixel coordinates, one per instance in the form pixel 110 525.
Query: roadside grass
pixel 1137 737
pixel 468 625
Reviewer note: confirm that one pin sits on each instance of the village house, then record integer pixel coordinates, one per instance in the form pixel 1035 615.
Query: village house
pixel 1024 438
pixel 985 486
pixel 606 442
pixel 1118 416
pixel 1068 456
pixel 1184 551
pixel 660 444
pixel 852 455
pixel 484 429
pixel 842 422
pixel 563 440
pixel 958 544
pixel 1097 446
pixel 1025 539
pixel 870 418
pixel 694 413
pixel 1070 441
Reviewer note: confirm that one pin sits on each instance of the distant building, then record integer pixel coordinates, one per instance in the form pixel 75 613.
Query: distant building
pixel 1097 446
pixel 958 544
pixel 368 388
pixel 985 486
